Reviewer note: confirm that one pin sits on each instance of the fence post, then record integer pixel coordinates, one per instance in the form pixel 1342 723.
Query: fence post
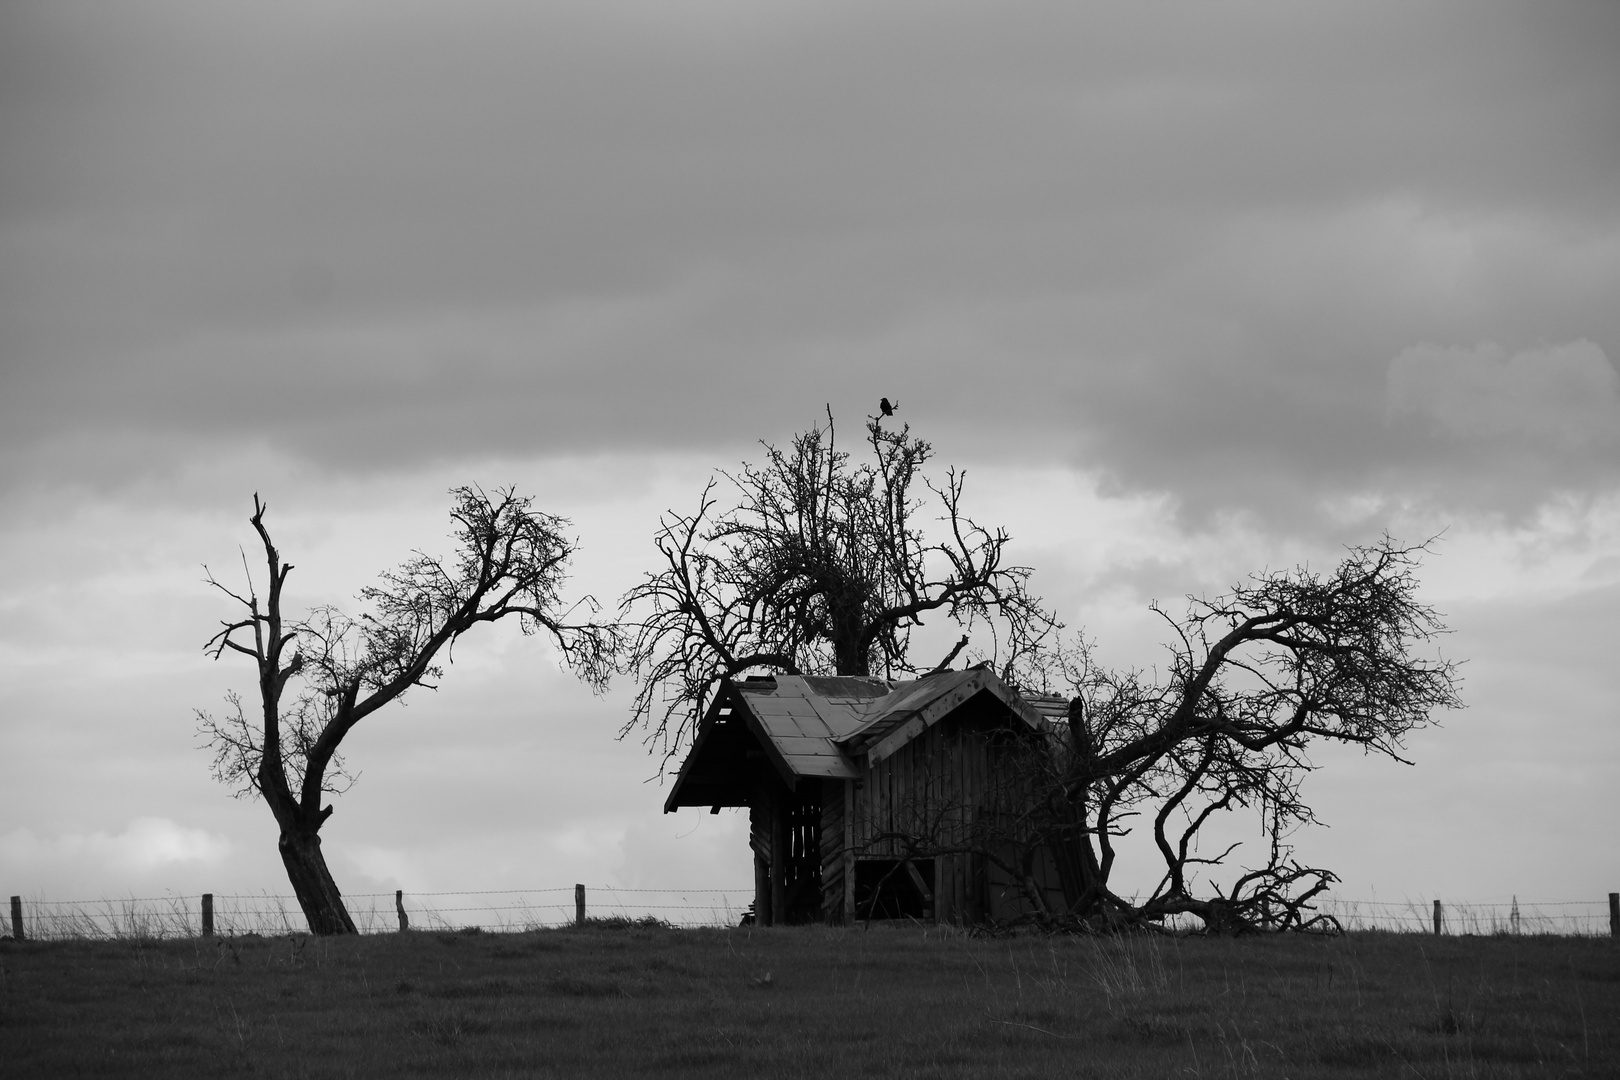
pixel 208 914
pixel 16 918
pixel 1614 914
pixel 1439 919
pixel 399 906
pixel 579 905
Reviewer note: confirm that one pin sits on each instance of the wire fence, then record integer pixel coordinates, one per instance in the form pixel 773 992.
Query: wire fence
pixel 495 910
pixel 1587 918
pixel 513 910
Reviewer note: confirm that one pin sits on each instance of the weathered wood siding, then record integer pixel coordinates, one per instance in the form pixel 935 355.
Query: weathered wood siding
pixel 833 870
pixel 760 814
pixel 934 791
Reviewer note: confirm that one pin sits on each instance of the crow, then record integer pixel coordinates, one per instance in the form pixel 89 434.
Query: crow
pixel 888 409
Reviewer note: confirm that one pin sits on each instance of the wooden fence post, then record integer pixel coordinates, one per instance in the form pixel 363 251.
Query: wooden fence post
pixel 1439 919
pixel 579 905
pixel 208 914
pixel 16 918
pixel 1614 913
pixel 399 906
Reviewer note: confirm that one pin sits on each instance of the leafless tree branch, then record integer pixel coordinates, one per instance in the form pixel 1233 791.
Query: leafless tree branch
pixel 510 561
pixel 814 563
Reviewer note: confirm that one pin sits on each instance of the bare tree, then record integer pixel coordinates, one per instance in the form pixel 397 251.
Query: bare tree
pixel 1255 679
pixel 812 564
pixel 511 562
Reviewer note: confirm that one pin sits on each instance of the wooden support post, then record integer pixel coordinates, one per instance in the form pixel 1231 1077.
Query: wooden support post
pixel 1439 919
pixel 1614 914
pixel 780 851
pixel 579 905
pixel 849 852
pixel 762 890
pixel 399 906
pixel 208 914
pixel 16 918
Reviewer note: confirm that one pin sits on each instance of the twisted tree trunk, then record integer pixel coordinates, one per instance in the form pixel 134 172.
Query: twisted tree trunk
pixel 1079 870
pixel 312 883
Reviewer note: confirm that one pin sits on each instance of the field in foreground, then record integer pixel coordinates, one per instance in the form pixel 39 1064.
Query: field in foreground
pixel 811 1002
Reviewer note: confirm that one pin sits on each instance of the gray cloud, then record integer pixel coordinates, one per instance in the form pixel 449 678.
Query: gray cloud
pixel 1237 262
pixel 1564 395
pixel 1179 246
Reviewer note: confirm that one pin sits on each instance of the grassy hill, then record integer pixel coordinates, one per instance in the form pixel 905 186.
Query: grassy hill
pixel 892 1001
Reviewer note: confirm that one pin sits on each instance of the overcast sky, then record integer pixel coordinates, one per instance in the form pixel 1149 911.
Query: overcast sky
pixel 1191 291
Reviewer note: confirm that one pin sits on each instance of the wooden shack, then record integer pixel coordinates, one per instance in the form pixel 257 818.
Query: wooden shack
pixel 866 796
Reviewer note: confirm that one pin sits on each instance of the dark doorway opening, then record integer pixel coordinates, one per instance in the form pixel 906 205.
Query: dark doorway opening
pixel 894 889
pixel 802 869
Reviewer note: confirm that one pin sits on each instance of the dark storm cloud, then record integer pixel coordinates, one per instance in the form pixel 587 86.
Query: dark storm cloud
pixel 1183 245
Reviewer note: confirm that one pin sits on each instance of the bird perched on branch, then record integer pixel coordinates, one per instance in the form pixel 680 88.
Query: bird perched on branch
pixel 888 409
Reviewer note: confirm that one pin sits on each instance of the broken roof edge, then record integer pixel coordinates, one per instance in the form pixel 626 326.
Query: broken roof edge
pixel 918 710
pixel 705 727
pixel 1038 710
pixel 736 691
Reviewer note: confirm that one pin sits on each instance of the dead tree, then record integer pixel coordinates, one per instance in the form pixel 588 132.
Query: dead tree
pixel 1255 678
pixel 511 562
pixel 812 564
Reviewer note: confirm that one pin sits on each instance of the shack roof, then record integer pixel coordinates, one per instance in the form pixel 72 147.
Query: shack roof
pixel 829 727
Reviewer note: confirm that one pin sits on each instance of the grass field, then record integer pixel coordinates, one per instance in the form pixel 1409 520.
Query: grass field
pixel 645 1000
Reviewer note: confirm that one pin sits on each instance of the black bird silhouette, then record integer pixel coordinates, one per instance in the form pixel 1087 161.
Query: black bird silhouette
pixel 888 410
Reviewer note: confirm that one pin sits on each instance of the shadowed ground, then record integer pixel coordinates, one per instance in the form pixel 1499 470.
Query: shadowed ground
pixel 614 1001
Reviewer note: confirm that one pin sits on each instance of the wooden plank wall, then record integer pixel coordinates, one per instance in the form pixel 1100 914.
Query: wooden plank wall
pixel 832 851
pixel 1005 898
pixel 931 786
pixel 937 787
pixel 759 839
